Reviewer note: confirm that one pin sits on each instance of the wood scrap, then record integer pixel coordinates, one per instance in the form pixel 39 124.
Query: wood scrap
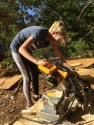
pixel 76 64
pixel 36 107
pixel 7 82
pixel 87 74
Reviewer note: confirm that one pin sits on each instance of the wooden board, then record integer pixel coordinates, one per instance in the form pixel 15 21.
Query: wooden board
pixel 76 64
pixel 87 74
pixel 35 109
pixel 85 62
pixel 7 82
pixel 83 71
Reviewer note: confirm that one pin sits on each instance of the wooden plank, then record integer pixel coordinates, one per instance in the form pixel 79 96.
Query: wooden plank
pixel 35 109
pixel 76 64
pixel 7 82
pixel 87 74
pixel 84 71
pixel 18 123
pixel 85 62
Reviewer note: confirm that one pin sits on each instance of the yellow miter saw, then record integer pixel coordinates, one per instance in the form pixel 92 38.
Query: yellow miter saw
pixel 54 74
pixel 68 91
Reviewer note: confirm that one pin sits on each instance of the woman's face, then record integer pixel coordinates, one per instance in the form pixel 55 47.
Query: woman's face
pixel 58 38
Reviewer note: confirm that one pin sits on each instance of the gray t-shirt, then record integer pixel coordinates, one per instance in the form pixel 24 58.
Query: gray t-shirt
pixel 37 32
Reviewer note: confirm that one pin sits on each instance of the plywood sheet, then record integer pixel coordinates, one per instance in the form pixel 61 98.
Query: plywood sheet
pixel 7 82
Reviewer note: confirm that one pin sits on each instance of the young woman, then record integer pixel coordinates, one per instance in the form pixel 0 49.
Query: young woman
pixel 35 37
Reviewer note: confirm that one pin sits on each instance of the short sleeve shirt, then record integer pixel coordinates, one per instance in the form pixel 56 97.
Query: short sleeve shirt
pixel 37 32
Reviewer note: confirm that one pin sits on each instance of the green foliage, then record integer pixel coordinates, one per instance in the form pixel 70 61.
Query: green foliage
pixel 15 16
pixel 79 49
pixel 78 16
pixel 44 53
pixel 8 65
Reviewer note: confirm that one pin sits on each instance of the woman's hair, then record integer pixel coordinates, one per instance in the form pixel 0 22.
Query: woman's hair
pixel 59 28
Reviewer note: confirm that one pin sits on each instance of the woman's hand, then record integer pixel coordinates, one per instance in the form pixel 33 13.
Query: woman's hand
pixel 42 62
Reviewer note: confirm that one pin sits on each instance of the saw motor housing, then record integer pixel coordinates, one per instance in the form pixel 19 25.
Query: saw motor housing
pixel 54 74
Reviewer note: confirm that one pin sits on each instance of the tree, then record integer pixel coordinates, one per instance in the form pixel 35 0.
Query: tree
pixel 76 14
pixel 13 18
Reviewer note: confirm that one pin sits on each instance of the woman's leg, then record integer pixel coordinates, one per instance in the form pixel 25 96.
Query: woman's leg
pixel 25 73
pixel 35 74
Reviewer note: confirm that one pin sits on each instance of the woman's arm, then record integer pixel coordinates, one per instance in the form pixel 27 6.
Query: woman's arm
pixel 23 51
pixel 54 43
pixel 58 53
pixel 25 46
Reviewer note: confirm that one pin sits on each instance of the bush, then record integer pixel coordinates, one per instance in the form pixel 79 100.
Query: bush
pixel 8 65
pixel 79 49
pixel 44 53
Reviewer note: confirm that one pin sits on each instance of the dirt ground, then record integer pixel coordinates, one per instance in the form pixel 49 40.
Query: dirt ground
pixel 12 102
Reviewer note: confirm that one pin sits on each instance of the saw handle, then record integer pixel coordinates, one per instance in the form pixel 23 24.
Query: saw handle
pixel 48 69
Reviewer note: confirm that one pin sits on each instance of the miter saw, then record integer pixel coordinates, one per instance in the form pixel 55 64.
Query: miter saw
pixel 67 92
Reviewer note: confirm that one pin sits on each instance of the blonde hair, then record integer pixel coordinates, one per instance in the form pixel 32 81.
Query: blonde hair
pixel 59 28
